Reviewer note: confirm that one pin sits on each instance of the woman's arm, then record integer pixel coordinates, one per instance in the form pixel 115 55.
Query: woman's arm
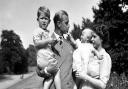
pixel 105 69
pixel 95 82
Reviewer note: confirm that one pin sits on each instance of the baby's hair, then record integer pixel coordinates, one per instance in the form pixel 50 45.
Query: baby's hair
pixel 43 10
pixel 88 31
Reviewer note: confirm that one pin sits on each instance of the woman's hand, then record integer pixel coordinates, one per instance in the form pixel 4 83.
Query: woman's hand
pixel 98 83
pixel 81 74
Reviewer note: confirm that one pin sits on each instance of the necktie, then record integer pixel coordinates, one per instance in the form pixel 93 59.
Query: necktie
pixel 61 39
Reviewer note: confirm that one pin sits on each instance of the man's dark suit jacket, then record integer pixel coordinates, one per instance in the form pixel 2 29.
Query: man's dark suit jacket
pixel 64 58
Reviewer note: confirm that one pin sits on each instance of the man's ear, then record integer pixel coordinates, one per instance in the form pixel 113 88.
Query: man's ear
pixel 101 40
pixel 58 23
pixel 49 21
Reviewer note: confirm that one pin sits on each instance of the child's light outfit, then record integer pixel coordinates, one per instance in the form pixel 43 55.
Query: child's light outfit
pixel 81 56
pixel 44 55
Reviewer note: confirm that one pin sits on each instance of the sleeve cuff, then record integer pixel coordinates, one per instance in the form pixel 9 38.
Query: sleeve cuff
pixel 46 72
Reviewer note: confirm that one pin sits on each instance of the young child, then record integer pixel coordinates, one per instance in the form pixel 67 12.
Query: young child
pixel 83 53
pixel 43 43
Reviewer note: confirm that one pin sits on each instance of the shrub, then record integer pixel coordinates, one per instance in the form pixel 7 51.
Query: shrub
pixel 117 81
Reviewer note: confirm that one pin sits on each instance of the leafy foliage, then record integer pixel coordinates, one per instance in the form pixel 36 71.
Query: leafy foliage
pixel 13 53
pixel 86 23
pixel 1 63
pixel 111 16
pixel 31 53
pixel 117 82
pixel 76 32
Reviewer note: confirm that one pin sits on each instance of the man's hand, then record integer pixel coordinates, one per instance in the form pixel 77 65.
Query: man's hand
pixel 81 74
pixel 42 73
pixel 52 67
pixel 53 41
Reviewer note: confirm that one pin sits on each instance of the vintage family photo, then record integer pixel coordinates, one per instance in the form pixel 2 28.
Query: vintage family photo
pixel 63 44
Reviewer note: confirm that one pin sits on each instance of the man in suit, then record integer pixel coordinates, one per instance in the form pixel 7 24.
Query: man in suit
pixel 63 52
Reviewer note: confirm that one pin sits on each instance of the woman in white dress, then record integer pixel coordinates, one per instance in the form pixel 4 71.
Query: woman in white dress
pixel 98 71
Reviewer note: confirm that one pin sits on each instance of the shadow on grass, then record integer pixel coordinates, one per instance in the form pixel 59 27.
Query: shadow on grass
pixel 5 77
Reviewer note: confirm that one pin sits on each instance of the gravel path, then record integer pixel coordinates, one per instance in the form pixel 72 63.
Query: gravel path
pixel 32 82
pixel 10 80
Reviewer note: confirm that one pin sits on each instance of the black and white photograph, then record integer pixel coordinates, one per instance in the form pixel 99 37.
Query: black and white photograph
pixel 63 44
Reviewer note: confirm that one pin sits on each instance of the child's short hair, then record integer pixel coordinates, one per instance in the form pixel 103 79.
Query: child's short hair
pixel 44 10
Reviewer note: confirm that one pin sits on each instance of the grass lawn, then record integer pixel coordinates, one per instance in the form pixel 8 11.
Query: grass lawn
pixel 7 80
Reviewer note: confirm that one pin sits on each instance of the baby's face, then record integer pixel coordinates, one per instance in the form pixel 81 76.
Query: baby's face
pixel 86 35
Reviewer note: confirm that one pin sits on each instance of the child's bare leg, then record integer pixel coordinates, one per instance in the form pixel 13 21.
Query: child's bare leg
pixel 78 82
pixel 75 87
pixel 57 80
pixel 47 83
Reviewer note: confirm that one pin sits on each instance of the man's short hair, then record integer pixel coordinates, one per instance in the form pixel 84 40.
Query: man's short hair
pixel 58 16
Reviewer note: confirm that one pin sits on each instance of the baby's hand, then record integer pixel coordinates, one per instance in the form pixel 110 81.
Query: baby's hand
pixel 53 41
pixel 52 66
pixel 53 61
pixel 70 37
pixel 100 57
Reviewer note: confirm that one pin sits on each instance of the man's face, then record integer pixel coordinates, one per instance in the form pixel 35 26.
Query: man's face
pixel 43 21
pixel 64 24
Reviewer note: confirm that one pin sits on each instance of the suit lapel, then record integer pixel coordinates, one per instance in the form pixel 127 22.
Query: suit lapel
pixel 57 45
pixel 63 51
pixel 53 35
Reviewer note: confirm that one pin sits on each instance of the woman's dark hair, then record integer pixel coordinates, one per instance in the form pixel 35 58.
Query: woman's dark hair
pixel 102 32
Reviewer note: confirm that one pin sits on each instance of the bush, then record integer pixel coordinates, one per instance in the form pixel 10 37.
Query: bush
pixel 117 81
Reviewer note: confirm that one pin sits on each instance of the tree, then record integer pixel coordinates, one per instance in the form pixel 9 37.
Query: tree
pixel 1 63
pixel 86 23
pixel 110 13
pixel 13 52
pixel 77 30
pixel 114 19
pixel 31 53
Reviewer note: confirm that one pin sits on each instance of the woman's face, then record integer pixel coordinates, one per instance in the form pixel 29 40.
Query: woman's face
pixel 96 40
